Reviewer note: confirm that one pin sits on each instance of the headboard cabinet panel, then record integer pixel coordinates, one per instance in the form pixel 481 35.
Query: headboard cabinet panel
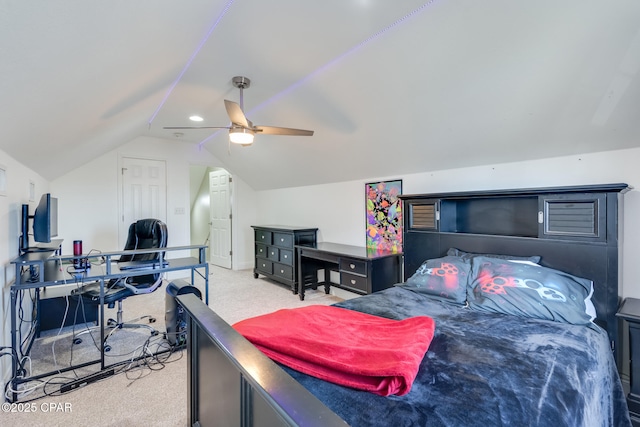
pixel 562 224
pixel 578 216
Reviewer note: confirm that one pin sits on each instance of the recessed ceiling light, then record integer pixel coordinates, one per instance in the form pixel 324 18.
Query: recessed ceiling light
pixel 196 118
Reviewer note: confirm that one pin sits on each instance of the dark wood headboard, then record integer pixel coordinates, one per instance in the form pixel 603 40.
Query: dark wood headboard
pixel 573 229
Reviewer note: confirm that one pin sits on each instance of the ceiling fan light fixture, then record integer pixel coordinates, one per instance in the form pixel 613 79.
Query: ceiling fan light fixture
pixel 196 118
pixel 241 136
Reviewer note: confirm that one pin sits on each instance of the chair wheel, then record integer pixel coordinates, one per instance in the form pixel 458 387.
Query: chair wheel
pixel 107 348
pixel 154 333
pixel 111 323
pixel 152 320
pixel 77 340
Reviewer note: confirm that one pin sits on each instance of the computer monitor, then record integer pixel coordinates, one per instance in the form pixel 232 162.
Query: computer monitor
pixel 45 219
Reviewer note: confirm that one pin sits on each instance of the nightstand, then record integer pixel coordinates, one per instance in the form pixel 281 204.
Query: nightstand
pixel 630 311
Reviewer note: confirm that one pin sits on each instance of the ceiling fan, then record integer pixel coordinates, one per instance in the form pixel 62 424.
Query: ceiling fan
pixel 242 130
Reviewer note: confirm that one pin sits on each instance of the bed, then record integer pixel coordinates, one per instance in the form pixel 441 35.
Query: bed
pixel 523 304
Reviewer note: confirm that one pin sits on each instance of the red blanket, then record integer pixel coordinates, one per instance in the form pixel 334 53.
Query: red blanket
pixel 343 346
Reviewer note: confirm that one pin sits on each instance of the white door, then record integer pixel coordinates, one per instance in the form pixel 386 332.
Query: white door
pixel 144 192
pixel 220 216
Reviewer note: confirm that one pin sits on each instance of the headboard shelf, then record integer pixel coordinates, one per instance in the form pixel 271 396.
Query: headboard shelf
pixel 504 216
pixel 597 188
pixel 574 229
pixel 568 213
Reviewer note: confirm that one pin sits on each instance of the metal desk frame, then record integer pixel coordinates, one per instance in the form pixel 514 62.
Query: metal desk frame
pixel 48 264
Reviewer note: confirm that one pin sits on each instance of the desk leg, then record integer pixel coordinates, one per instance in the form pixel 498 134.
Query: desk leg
pixel 301 276
pixel 38 319
pixel 206 283
pixel 14 346
pixel 102 364
pixel 327 280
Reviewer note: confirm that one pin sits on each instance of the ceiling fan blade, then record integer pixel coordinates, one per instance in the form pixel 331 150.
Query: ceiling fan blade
pixel 273 130
pixel 235 114
pixel 196 127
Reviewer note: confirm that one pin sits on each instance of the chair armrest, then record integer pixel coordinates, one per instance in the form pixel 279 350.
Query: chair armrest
pixel 138 291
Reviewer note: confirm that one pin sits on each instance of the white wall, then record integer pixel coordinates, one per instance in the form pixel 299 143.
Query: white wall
pixel 338 209
pixel 89 195
pixel 15 195
pixel 200 208
pixel 88 198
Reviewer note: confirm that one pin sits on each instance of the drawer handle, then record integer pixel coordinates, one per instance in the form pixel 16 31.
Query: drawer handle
pixel 282 239
pixel 262 237
pixel 264 265
pixel 281 271
pixel 273 253
pixel 353 266
pixel 286 256
pixel 353 282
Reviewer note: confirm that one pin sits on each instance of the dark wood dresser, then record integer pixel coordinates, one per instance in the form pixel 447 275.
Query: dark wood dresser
pixel 275 253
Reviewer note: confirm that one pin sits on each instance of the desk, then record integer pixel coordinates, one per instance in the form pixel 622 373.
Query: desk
pixel 362 270
pixel 43 269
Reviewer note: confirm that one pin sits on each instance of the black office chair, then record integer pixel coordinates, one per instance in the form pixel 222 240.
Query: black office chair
pixel 143 234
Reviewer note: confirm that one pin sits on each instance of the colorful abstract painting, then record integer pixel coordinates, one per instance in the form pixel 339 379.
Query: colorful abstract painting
pixel 384 215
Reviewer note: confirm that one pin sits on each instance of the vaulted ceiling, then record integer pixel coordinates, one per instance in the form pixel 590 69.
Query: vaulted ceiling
pixel 388 87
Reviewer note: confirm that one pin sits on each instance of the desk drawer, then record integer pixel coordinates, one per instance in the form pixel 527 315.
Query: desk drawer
pixel 284 271
pixel 353 266
pixel 352 281
pixel 283 240
pixel 263 237
pixel 261 250
pixel 286 256
pixel 264 266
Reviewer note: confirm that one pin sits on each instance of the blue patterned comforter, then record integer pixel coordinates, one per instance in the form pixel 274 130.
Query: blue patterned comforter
pixel 488 370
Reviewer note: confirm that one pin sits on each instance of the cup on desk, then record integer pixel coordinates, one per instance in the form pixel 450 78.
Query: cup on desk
pixel 77 252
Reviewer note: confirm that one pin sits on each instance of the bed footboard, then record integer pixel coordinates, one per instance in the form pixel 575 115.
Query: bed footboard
pixel 232 383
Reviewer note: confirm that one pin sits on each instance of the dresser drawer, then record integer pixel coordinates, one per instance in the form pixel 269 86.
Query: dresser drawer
pixel 263 236
pixel 283 240
pixel 261 250
pixel 286 256
pixel 353 266
pixel 283 271
pixel 264 266
pixel 273 253
pixel 353 281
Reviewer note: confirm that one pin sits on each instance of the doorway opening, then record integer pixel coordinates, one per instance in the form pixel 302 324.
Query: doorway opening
pixel 211 203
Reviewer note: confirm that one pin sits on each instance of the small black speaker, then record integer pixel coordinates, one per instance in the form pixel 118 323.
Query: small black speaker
pixel 174 317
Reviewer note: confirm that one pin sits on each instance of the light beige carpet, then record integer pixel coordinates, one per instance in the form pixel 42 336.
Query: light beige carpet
pixel 145 394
